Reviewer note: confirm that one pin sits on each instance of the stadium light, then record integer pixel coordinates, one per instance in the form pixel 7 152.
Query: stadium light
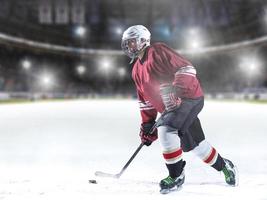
pixel 195 38
pixel 106 65
pixel 195 44
pixel 26 64
pixel 81 69
pixel 121 72
pixel 46 80
pixel 80 31
pixel 250 65
pixel 118 30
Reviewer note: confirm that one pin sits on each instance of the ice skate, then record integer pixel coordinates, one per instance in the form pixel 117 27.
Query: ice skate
pixel 230 173
pixel 171 184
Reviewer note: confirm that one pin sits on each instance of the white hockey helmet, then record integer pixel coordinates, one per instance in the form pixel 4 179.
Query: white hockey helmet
pixel 134 40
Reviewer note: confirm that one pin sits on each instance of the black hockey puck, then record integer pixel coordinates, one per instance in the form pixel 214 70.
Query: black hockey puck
pixel 92 181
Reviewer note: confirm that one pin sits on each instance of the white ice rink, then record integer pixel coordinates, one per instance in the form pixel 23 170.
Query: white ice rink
pixel 49 150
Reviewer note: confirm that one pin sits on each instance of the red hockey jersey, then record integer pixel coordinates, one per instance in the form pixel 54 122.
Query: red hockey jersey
pixel 160 64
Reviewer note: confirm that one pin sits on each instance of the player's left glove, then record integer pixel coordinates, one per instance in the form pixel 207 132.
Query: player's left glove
pixel 146 137
pixel 169 97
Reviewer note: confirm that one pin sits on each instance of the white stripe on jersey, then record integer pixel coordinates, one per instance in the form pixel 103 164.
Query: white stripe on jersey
pixel 188 70
pixel 145 105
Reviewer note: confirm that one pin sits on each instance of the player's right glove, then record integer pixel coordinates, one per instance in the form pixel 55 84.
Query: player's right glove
pixel 146 137
pixel 169 97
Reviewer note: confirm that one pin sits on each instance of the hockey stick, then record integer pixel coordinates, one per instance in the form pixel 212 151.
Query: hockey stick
pixel 103 174
pixel 118 175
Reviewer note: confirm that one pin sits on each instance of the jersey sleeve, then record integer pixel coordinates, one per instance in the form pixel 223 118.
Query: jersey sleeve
pixel 180 72
pixel 148 112
pixel 168 60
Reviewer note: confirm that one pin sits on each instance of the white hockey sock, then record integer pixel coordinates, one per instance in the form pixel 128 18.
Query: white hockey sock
pixel 170 144
pixel 206 152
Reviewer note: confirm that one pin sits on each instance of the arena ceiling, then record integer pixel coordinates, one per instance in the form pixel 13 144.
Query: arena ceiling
pixel 215 22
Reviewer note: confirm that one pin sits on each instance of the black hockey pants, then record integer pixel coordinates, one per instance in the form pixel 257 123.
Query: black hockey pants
pixel 184 119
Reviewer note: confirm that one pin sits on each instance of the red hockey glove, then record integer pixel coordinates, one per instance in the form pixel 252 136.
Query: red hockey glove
pixel 146 137
pixel 169 97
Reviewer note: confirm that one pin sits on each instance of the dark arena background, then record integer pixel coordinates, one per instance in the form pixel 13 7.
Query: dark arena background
pixel 71 48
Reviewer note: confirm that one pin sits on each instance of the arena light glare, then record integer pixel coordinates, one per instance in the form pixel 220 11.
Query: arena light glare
pixel 26 64
pixel 195 44
pixel 250 65
pixel 194 38
pixel 46 80
pixel 80 31
pixel 105 65
pixel 121 72
pixel 193 31
pixel 81 69
pixel 118 30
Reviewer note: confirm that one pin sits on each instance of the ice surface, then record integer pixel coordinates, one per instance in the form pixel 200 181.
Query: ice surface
pixel 49 150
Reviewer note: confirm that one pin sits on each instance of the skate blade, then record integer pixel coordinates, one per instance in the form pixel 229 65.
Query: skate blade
pixel 236 177
pixel 168 190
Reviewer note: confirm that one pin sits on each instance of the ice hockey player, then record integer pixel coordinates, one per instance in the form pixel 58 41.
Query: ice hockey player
pixel 167 82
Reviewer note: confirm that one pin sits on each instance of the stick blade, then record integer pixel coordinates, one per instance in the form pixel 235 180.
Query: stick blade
pixel 104 174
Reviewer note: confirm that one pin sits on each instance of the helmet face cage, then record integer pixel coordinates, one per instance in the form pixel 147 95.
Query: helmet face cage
pixel 133 46
pixel 129 46
pixel 135 39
